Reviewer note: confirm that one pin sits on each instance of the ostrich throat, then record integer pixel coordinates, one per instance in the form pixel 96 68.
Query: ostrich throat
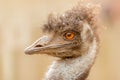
pixel 73 69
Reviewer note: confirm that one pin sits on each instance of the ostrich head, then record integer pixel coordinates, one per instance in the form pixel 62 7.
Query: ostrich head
pixel 68 35
pixel 73 37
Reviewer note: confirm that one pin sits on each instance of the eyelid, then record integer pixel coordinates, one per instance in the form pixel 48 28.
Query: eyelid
pixel 65 31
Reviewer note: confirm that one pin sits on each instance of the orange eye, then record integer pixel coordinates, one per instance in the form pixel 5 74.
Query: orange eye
pixel 70 35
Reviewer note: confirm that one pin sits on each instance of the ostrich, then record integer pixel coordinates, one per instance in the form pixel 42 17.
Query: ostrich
pixel 72 37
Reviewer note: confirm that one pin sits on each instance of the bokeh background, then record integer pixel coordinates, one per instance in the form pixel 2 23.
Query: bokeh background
pixel 20 25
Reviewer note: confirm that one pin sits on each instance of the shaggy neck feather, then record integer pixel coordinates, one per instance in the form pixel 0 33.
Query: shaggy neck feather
pixel 71 69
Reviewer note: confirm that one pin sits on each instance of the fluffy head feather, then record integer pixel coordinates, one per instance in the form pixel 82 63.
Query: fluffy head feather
pixel 74 18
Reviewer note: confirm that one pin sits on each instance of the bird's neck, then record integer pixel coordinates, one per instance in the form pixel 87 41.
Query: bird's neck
pixel 73 69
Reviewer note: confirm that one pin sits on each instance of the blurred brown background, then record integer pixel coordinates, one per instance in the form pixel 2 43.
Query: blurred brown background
pixel 20 22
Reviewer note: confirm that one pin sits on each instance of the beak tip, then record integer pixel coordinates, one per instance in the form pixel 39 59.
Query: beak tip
pixel 26 51
pixel 29 51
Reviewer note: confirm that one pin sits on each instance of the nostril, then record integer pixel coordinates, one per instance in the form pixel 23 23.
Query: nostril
pixel 38 45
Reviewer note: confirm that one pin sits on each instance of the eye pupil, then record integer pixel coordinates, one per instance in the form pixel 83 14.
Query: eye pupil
pixel 69 34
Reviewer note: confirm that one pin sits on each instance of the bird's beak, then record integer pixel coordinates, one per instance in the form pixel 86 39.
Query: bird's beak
pixel 44 46
pixel 38 45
